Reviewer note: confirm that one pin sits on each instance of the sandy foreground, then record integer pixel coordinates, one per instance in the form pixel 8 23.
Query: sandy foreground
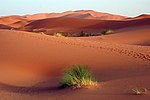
pixel 31 65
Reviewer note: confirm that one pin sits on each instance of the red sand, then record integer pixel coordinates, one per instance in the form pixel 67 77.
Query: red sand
pixel 10 19
pixel 31 64
pixel 137 35
pixel 82 14
pixel 37 58
pixel 73 25
pixel 4 26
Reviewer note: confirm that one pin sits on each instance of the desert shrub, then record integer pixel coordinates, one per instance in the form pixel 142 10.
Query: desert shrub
pixel 139 91
pixel 74 35
pixel 107 32
pixel 71 35
pixel 77 76
pixel 90 34
pixel 82 33
pixel 99 34
pixel 68 35
pixel 42 33
pixel 12 29
pixel 58 34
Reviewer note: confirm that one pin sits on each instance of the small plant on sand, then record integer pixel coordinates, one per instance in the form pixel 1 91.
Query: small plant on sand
pixel 90 34
pixel 139 91
pixel 106 32
pixel 12 29
pixel 77 76
pixel 109 31
pixel 42 33
pixel 82 33
pixel 58 35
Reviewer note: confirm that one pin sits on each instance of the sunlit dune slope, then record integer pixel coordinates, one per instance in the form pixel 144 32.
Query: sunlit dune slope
pixel 42 55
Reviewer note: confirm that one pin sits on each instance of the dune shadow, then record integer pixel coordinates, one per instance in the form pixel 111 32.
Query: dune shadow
pixel 37 88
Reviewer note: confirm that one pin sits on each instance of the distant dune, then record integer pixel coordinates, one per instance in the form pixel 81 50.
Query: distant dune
pixel 73 25
pixel 10 19
pixel 143 16
pixel 20 24
pixel 82 14
pixel 72 22
pixel 4 26
pixel 86 20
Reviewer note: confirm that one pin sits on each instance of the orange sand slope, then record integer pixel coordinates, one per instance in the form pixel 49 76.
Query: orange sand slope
pixel 73 25
pixel 137 35
pixel 82 14
pixel 10 19
pixel 4 26
pixel 72 21
pixel 16 21
pixel 31 66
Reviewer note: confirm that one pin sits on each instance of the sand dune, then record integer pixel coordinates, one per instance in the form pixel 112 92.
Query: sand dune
pixel 73 25
pixel 89 14
pixel 82 14
pixel 140 17
pixel 20 21
pixel 72 21
pixel 10 19
pixel 137 35
pixel 20 24
pixel 4 26
pixel 39 60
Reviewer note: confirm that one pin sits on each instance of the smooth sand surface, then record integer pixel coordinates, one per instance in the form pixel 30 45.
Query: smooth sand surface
pixel 74 25
pixel 8 20
pixel 32 64
pixel 82 14
pixel 137 35
pixel 4 26
pixel 17 21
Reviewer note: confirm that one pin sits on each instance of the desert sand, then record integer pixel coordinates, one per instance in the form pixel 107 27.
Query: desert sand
pixel 32 64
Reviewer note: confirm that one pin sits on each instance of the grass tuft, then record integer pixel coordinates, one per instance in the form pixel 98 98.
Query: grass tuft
pixel 139 91
pixel 78 76
pixel 58 35
pixel 106 32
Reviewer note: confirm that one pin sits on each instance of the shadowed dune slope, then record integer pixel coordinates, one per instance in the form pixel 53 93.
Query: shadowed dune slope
pixel 77 25
pixel 20 24
pixel 4 26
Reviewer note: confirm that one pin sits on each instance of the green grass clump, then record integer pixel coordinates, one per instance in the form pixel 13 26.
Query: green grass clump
pixel 90 34
pixel 139 91
pixel 58 35
pixel 106 32
pixel 77 76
